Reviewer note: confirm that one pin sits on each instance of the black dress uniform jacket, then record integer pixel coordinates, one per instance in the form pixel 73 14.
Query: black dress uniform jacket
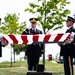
pixel 0 49
pixel 68 49
pixel 1 45
pixel 33 50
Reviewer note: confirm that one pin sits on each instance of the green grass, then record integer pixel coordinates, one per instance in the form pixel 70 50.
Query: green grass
pixel 56 69
pixel 20 68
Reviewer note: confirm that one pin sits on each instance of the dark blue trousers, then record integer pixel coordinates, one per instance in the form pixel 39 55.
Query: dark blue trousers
pixel 68 65
pixel 32 62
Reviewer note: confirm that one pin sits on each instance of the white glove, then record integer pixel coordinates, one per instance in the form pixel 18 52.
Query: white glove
pixel 70 39
pixel 64 44
pixel 72 35
pixel 1 36
pixel 4 43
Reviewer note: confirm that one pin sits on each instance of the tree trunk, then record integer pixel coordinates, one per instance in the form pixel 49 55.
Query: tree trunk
pixel 44 33
pixel 14 56
pixel 11 56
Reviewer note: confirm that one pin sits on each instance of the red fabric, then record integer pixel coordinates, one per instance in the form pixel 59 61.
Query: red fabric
pixel 35 38
pixel 57 38
pixel 14 39
pixel 24 38
pixel 47 36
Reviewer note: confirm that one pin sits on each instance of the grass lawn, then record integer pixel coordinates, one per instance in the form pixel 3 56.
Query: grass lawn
pixel 20 68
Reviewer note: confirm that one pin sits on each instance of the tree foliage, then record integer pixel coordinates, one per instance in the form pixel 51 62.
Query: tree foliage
pixel 51 13
pixel 18 48
pixel 11 25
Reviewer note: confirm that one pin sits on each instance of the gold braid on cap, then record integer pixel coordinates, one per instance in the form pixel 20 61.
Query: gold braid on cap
pixel 33 20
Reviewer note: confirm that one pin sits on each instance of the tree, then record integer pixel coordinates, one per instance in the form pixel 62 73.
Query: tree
pixel 18 48
pixel 11 25
pixel 51 14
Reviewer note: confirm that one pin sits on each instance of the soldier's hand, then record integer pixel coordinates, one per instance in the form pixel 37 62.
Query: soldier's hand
pixel 70 39
pixel 3 42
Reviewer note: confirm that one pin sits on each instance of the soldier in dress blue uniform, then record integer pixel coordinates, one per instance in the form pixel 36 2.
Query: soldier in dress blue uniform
pixel 33 51
pixel 68 50
pixel 0 49
pixel 2 43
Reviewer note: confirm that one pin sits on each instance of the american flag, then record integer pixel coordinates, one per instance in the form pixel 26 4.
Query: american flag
pixel 38 38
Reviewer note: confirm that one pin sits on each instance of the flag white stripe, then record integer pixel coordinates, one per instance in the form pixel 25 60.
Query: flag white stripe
pixel 19 39
pixel 64 37
pixel 41 38
pixel 30 39
pixel 52 38
pixel 8 38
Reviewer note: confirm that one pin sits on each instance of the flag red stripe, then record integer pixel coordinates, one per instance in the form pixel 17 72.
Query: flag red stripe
pixel 46 38
pixel 13 38
pixel 35 38
pixel 5 39
pixel 24 39
pixel 67 37
pixel 58 37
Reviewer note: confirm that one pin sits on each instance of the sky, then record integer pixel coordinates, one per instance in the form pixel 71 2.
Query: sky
pixel 18 6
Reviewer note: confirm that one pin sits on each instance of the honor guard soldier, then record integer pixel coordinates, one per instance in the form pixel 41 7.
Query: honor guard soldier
pixel 2 42
pixel 0 49
pixel 68 50
pixel 33 51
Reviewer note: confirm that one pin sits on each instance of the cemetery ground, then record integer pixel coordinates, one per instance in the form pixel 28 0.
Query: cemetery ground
pixel 20 68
